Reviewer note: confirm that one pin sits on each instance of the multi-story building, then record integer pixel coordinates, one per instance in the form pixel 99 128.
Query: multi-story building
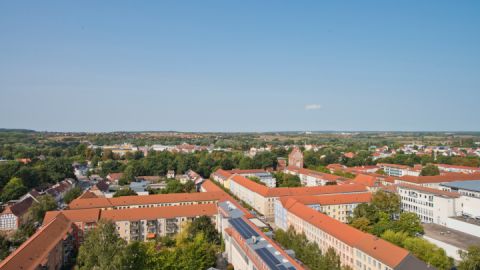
pixel 355 248
pixel 337 206
pixel 247 247
pixel 466 188
pixel 437 180
pixel 262 198
pixel 295 158
pixel 310 178
pixel 264 176
pixel 139 224
pixel 157 200
pixel 51 247
pixel 399 170
pixel 431 205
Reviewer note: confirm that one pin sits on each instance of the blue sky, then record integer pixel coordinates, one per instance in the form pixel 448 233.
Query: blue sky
pixel 240 65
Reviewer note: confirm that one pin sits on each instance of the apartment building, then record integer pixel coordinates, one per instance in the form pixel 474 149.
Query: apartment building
pixel 126 202
pixel 355 248
pixel 337 206
pixel 247 247
pixel 262 198
pixel 431 205
pixel 310 178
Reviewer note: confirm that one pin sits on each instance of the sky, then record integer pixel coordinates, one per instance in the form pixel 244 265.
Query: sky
pixel 240 65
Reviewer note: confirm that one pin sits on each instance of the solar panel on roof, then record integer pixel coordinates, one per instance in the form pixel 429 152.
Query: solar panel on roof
pixel 243 228
pixel 268 258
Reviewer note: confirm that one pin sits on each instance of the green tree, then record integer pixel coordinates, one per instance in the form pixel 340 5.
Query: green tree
pixel 38 209
pixel 362 223
pixel 409 223
pixel 430 170
pixel 13 189
pixel 72 194
pixel 204 225
pixel 124 192
pixel 470 259
pixel 134 257
pixel 102 248
pixel 386 202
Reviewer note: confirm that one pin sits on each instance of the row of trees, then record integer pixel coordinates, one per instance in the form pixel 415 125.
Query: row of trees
pixel 158 163
pixel 308 252
pixel 194 248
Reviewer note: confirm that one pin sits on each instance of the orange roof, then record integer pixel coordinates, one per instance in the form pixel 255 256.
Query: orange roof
pixel 209 186
pixel 222 173
pixel 295 191
pixel 367 180
pixel 319 175
pixel 430 190
pixel 88 195
pixel 332 199
pixel 160 212
pixel 458 167
pixel 394 166
pixel 33 252
pixel 80 215
pixel 446 177
pixel 142 200
pixel 380 249
pixel 238 171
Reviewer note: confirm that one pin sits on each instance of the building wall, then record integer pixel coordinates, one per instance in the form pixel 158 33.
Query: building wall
pixel 469 206
pixel 463 227
pixel 8 222
pixel 349 256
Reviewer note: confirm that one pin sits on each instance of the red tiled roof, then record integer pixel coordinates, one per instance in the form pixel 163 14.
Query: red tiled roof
pixel 250 171
pixel 81 215
pixel 367 180
pixel 394 166
pixel 332 199
pixel 446 177
pixel 115 176
pixel 35 251
pixel 458 167
pixel 222 173
pixel 380 249
pixel 295 191
pixel 142 200
pixel 209 186
pixel 160 212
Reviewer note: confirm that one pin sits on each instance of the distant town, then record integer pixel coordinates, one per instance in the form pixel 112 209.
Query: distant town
pixel 239 201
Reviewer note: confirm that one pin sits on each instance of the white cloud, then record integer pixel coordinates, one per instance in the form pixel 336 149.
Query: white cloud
pixel 313 107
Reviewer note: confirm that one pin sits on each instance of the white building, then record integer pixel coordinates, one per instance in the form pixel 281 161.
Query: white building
pixel 431 205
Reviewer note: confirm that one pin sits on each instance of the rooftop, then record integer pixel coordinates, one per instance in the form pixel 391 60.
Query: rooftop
pixel 472 185
pixel 449 236
pixel 35 251
pixel 380 249
pixel 142 200
pixel 433 191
